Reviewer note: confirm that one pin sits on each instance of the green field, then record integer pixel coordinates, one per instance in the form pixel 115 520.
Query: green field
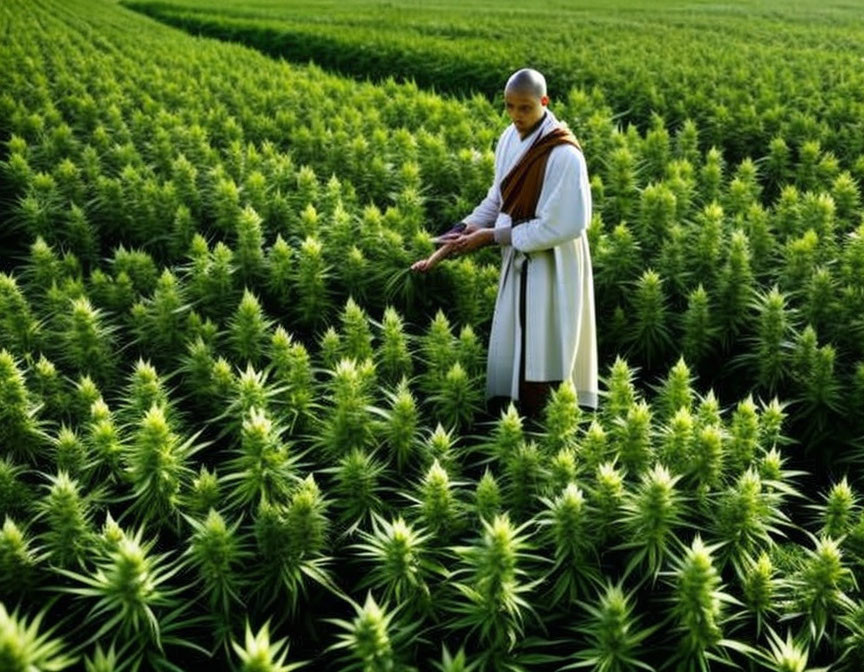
pixel 744 72
pixel 236 432
pixel 755 107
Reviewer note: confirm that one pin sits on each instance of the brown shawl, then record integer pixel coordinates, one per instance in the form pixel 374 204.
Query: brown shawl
pixel 520 189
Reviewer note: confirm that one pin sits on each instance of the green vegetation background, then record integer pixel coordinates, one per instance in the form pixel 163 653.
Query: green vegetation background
pixel 205 321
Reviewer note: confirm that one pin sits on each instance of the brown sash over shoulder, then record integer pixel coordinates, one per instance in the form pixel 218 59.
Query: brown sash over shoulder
pixel 520 189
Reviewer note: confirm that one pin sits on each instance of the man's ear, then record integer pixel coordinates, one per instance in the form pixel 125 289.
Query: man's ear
pixel 544 101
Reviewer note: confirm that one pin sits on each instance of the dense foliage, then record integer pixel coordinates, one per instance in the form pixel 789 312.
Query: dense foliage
pixel 745 71
pixel 232 426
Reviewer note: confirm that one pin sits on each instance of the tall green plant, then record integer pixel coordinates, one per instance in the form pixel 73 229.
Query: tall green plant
pixel 25 645
pixel 492 585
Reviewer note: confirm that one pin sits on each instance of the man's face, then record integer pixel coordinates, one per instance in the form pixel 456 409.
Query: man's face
pixel 523 109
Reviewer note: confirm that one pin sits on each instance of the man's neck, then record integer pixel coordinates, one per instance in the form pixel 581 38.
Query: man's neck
pixel 524 135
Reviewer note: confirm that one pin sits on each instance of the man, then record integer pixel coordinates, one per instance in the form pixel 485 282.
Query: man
pixel 537 209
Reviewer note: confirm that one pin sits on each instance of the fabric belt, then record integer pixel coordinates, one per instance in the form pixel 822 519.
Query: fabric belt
pixel 523 284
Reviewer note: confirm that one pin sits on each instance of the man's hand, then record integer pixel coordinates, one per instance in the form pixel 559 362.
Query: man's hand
pixel 455 244
pixel 450 236
pixel 468 242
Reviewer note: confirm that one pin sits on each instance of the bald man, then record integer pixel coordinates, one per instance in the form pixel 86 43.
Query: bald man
pixel 537 210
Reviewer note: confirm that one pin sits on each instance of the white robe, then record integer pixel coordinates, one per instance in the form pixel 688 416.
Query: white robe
pixel 560 335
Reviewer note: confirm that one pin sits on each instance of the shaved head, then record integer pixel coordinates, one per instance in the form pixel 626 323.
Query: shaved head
pixel 526 82
pixel 525 99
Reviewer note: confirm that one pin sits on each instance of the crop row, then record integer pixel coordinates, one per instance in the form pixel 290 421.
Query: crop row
pixel 313 188
pixel 247 470
pixel 227 411
pixel 743 77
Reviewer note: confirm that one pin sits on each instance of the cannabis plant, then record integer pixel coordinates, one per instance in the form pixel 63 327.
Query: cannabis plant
pixel 699 326
pixel 400 426
pixel 506 437
pixel 698 606
pixel 20 428
pixel 743 435
pixel 157 466
pixel 402 567
pixel 619 261
pixel 762 587
pixel 594 448
pixel 291 540
pixel 785 655
pixel 311 275
pixel 162 324
pixel 768 353
pixel 19 560
pixel 51 390
pixel 525 478
pixel 561 418
pixel 457 397
pixel 357 487
pixel 19 328
pixel 565 525
pixel 356 335
pixel 436 500
pixel 258 654
pixel 633 437
pixel 131 599
pixel 263 469
pixel 347 421
pixel 652 515
pixel 209 277
pixel 438 352
pixel 606 496
pixel 247 330
pixel 675 392
pixel 240 393
pixel 23 648
pixel 839 510
pixel 492 584
pixel 563 469
pixel 374 640
pixel 67 513
pixel 746 516
pixel 87 340
pixel 216 552
pixel 250 245
pixel 144 388
pixel 649 334
pixel 292 373
pixel 458 663
pixel 821 587
pixel 676 441
pixel 707 457
pixel 487 496
pixel 620 392
pixel 70 452
pixel 105 443
pixel 393 356
pixel 615 640
pixel 279 267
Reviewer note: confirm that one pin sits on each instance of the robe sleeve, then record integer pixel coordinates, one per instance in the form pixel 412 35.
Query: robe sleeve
pixel 484 215
pixel 564 208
